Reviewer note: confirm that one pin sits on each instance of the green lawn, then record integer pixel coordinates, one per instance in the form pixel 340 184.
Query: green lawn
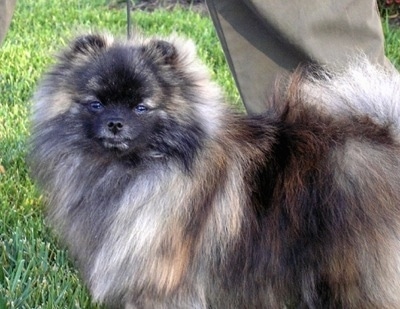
pixel 34 272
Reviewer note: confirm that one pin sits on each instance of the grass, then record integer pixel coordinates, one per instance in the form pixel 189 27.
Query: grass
pixel 34 271
pixel 392 43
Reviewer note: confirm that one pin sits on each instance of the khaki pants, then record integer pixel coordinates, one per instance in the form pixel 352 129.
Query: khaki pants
pixel 265 39
pixel 6 12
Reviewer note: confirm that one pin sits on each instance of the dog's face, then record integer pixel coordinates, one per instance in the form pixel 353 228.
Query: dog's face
pixel 121 92
pixel 131 99
pixel 118 98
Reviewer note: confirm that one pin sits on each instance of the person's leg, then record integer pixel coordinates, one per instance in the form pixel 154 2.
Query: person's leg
pixel 6 12
pixel 263 39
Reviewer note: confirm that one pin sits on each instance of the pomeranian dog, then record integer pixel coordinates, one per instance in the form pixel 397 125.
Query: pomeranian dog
pixel 167 198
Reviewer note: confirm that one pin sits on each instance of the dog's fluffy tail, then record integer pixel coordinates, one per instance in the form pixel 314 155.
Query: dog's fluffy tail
pixel 361 88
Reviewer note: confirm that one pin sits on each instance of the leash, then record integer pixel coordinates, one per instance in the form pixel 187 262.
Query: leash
pixel 128 17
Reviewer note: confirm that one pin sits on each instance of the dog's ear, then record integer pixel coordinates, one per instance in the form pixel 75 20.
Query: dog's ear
pixel 161 51
pixel 88 45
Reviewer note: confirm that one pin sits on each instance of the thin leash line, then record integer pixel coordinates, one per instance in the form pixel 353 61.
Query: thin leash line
pixel 128 16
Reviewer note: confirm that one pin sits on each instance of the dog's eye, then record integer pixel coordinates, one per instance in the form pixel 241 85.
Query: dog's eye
pixel 96 106
pixel 141 108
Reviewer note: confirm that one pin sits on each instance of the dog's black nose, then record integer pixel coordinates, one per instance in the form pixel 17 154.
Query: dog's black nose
pixel 115 125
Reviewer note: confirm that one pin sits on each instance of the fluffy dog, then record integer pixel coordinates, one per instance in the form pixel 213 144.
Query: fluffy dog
pixel 166 198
